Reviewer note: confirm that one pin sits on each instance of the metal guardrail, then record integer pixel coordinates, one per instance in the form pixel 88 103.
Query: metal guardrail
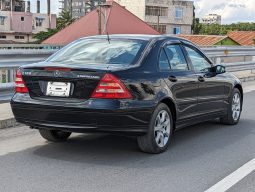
pixel 28 46
pixel 13 56
pixel 247 54
pixel 27 49
pixel 229 51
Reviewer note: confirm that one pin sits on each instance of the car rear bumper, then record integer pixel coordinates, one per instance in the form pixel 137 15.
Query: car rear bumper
pixel 83 117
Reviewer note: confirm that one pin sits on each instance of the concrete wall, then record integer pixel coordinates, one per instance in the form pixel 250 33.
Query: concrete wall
pixel 138 8
pixel 23 23
pixel 187 7
pixel 53 23
pixel 11 37
pixel 135 7
pixel 45 23
pixel 21 26
pixel 170 20
pixel 185 29
pixel 7 24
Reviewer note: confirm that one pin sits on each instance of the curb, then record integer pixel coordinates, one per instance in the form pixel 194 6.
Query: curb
pixel 8 123
pixel 246 79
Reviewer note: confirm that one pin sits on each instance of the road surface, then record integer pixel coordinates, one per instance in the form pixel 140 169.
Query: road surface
pixel 199 157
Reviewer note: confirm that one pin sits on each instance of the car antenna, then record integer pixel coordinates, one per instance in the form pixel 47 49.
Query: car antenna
pixel 108 37
pixel 105 19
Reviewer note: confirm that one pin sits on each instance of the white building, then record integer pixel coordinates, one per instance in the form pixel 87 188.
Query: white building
pixel 166 16
pixel 211 19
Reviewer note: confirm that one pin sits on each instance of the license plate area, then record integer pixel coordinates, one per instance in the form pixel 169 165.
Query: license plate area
pixel 58 89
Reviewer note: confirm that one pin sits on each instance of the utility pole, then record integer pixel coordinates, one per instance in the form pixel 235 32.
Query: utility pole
pixel 99 18
pixel 158 19
pixel 71 8
pixel 11 16
pixel 49 12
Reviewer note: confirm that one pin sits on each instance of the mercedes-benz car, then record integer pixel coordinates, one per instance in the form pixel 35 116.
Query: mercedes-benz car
pixel 133 85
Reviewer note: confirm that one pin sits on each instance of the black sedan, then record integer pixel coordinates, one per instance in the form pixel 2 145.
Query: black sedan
pixel 137 85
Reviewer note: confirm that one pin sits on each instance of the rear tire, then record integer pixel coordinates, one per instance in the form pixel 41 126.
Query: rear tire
pixel 160 131
pixel 54 135
pixel 234 109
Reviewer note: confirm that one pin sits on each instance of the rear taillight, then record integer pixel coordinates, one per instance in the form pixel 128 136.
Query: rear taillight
pixel 20 84
pixel 110 87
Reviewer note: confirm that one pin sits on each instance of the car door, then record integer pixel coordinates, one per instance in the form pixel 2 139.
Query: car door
pixel 180 79
pixel 211 88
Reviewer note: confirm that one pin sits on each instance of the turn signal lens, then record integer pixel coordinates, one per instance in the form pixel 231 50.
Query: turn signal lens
pixel 20 84
pixel 110 87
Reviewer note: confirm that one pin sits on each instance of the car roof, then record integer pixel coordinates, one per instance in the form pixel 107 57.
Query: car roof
pixel 136 36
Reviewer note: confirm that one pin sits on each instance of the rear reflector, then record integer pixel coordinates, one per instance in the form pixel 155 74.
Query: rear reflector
pixel 20 84
pixel 110 87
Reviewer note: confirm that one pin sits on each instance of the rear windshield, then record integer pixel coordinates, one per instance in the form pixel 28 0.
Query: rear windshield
pixel 101 51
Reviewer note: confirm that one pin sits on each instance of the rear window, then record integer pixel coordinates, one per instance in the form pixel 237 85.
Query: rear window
pixel 101 51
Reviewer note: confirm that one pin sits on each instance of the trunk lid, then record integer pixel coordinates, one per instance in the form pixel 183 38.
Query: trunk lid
pixel 82 80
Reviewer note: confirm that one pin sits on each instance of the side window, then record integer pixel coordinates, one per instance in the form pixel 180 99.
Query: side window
pixel 199 63
pixel 163 61
pixel 176 58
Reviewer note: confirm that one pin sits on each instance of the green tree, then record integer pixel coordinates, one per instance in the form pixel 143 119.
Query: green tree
pixel 63 21
pixel 216 29
pixel 197 26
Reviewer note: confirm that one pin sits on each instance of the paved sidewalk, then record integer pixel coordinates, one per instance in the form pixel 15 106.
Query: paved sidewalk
pixel 245 76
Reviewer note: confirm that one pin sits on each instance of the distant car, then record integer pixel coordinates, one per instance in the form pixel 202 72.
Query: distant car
pixel 138 85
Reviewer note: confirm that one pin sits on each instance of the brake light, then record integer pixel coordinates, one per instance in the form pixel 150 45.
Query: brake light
pixel 20 84
pixel 110 87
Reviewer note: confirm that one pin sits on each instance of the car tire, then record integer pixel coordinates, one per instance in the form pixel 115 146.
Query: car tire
pixel 234 109
pixel 160 131
pixel 54 135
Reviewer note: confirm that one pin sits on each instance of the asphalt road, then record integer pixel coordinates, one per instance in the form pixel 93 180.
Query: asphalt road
pixel 199 157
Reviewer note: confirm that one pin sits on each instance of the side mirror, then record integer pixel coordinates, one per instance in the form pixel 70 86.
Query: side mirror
pixel 219 69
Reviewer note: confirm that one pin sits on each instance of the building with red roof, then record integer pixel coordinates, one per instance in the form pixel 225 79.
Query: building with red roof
pixel 244 38
pixel 209 40
pixel 115 19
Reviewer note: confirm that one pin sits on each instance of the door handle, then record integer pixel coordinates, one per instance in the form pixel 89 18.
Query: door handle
pixel 201 79
pixel 172 79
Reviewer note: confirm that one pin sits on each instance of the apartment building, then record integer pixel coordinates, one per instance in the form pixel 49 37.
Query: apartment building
pixel 166 16
pixel 18 24
pixel 211 19
pixel 80 7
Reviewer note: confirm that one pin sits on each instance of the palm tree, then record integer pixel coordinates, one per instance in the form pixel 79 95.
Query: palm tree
pixel 64 19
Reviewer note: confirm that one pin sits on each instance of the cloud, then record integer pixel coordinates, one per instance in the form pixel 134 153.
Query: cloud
pixel 220 6
pixel 232 11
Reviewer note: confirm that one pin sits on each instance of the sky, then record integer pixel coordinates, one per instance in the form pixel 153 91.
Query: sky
pixel 232 11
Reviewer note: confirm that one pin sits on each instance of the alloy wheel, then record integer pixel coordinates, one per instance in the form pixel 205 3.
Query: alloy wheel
pixel 162 128
pixel 236 106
